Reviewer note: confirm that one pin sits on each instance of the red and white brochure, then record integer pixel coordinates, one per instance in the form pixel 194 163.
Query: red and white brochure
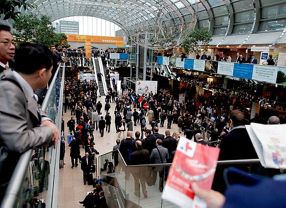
pixel 193 162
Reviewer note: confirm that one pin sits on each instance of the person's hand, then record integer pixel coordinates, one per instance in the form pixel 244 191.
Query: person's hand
pixel 55 130
pixel 213 199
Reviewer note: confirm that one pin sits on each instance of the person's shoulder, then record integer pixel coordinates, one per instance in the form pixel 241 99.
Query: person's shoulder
pixel 164 148
pixel 10 84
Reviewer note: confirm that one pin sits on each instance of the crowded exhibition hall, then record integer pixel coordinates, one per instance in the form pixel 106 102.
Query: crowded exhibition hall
pixel 130 104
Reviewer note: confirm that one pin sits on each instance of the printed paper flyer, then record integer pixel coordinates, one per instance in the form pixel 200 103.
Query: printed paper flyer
pixel 192 163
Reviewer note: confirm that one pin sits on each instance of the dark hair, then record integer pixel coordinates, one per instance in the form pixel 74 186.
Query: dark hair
pixel 156 129
pixel 148 131
pixel 5 28
pixel 30 57
pixel 237 118
pixel 137 134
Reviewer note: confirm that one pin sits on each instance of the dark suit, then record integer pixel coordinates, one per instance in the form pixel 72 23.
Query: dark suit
pixel 253 61
pixel 107 122
pixel 101 126
pixel 140 174
pixel 171 144
pixel 86 163
pixel 126 147
pixel 149 142
pixel 158 136
pixel 74 152
pixel 18 118
pixel 140 157
pixel 235 145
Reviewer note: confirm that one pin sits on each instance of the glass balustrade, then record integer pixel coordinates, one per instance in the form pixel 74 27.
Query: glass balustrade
pixel 35 177
pixel 139 184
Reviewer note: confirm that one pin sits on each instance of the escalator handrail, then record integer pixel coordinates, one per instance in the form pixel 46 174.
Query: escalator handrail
pixel 95 73
pixel 101 69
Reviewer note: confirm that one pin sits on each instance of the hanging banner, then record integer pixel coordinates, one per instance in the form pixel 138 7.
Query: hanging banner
pixel 166 61
pixel 160 60
pixel 179 63
pixel 243 71
pixel 86 76
pixel 264 73
pixel 211 66
pixel 88 50
pixel 189 64
pixel 199 65
pixel 146 87
pixel 123 56
pixel 225 68
pixel 114 56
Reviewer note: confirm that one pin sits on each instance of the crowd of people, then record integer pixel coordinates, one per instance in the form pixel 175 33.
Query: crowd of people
pixel 205 118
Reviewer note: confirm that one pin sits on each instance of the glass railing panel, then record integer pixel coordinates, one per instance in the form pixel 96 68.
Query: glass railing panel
pixel 35 171
pixel 142 184
pixel 106 163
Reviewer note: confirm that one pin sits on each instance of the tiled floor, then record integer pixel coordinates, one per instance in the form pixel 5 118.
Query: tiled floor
pixel 71 188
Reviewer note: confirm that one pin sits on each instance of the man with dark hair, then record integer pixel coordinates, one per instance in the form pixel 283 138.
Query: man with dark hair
pixel 149 142
pixel 159 155
pixel 157 134
pixel 170 143
pixel 22 127
pixel 7 47
pixel 71 125
pixel 115 152
pixel 107 122
pixel 235 145
pixel 140 156
pixel 86 163
pixel 270 60
pixel 101 126
pixel 126 147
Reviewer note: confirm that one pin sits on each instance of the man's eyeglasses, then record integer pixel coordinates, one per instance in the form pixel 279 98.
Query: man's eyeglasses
pixel 7 42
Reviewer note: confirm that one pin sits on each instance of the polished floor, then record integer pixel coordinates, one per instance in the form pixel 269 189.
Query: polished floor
pixel 71 187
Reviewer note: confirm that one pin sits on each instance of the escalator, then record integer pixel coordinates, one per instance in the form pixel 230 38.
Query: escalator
pixel 107 78
pixel 98 77
pixel 101 70
pixel 165 71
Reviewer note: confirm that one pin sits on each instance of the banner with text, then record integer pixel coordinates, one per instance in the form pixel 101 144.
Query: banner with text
pixel 145 87
pixel 265 73
pixel 225 68
pixel 243 71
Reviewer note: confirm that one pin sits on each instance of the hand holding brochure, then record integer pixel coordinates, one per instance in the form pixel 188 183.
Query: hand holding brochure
pixel 192 163
pixel 269 142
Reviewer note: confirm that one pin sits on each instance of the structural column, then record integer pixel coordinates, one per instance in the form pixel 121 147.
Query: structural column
pixel 145 56
pixel 137 56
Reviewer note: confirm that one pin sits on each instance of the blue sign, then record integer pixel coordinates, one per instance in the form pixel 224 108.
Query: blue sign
pixel 264 56
pixel 123 56
pixel 160 60
pixel 243 71
pixel 189 64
